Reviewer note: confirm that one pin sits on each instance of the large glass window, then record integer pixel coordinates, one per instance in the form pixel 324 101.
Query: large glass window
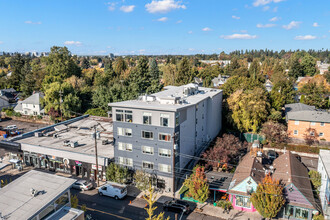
pixel 164 137
pixel 164 168
pixel 243 201
pixel 119 115
pixel 147 165
pixel 289 210
pixel 164 152
pixel 125 146
pixel 147 150
pixel 177 115
pixel 125 132
pixel 125 161
pixel 164 118
pixel 62 201
pixel 147 135
pixel 146 118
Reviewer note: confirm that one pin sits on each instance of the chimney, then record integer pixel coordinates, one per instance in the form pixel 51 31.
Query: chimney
pixel 259 157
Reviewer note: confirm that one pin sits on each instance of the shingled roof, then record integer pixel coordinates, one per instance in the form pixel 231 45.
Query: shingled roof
pixel 302 112
pixel 289 170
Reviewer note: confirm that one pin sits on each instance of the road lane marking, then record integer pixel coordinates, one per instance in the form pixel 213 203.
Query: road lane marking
pixel 107 213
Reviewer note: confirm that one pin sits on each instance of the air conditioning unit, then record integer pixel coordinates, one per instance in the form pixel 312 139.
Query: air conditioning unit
pixel 38 134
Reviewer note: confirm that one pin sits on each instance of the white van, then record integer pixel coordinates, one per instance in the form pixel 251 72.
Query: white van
pixel 115 190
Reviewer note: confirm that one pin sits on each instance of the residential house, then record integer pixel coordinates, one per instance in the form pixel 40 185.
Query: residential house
pixel 9 94
pixel 177 122
pixel 268 85
pixel 248 174
pixel 198 81
pixel 306 121
pixel 38 195
pixel 293 175
pixel 4 103
pixel 322 66
pixel 324 169
pixel 31 106
pixel 220 80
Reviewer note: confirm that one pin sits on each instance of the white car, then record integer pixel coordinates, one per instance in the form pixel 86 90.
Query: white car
pixel 82 185
pixel 115 190
pixel 11 127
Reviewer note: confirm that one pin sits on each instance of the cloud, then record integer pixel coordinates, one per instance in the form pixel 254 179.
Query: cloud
pixel 127 8
pixel 243 31
pixel 112 6
pixel 239 36
pixel 1 42
pixel 179 22
pixel 163 19
pixel 274 19
pixel 164 6
pixel 206 29
pixel 235 17
pixel 305 37
pixel 76 43
pixel 265 25
pixel 31 22
pixel 315 24
pixel 257 3
pixel 292 24
pixel 275 9
pixel 266 8
pixel 190 32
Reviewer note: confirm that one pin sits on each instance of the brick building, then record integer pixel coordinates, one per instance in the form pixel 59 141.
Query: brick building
pixel 307 121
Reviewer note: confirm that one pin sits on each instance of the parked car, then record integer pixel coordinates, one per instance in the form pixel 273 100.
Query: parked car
pixel 11 127
pixel 115 190
pixel 82 185
pixel 178 206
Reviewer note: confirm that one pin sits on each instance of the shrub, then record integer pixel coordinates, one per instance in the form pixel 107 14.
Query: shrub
pixel 97 112
pixel 39 117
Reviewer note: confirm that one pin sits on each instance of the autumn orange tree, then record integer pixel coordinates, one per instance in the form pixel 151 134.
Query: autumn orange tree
pixel 268 199
pixel 197 185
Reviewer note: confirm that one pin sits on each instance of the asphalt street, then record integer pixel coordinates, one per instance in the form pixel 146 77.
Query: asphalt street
pixel 129 208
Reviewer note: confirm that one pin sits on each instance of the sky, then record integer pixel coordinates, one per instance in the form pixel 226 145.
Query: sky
pixel 154 27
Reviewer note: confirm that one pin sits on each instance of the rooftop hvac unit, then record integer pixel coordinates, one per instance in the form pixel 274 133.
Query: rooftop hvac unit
pixel 74 144
pixel 38 134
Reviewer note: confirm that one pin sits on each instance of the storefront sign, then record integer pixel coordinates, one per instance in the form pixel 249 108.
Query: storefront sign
pixel 55 159
pixel 94 167
pixel 66 161
pixel 78 163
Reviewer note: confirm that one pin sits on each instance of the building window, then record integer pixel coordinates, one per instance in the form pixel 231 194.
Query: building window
pixel 164 137
pixel 146 118
pixel 322 124
pixel 147 165
pixel 125 146
pixel 164 152
pixel 289 210
pixel 321 134
pixel 177 116
pixel 196 121
pixel 164 120
pixel 125 161
pixel 119 115
pixel 147 150
pixel 243 201
pixel 202 116
pixel 301 213
pixel 128 116
pixel 147 135
pixel 295 132
pixel 296 122
pixel 312 123
pixel 125 132
pixel 164 168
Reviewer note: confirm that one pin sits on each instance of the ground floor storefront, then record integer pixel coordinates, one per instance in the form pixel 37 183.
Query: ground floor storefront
pixel 242 203
pixel 296 212
pixel 76 168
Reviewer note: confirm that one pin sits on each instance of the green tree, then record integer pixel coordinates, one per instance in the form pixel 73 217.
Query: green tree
pixel 282 93
pixel 274 132
pixel 116 173
pixel 74 201
pixel 17 63
pixel 235 83
pixel 268 199
pixel 315 94
pixel 169 74
pixel 120 66
pixel 155 85
pixel 97 112
pixel 315 179
pixel 184 72
pixel 295 69
pixel 308 64
pixel 151 199
pixel 28 83
pixel 197 185
pixel 140 75
pixel 142 180
pixel 249 109
pixel 85 63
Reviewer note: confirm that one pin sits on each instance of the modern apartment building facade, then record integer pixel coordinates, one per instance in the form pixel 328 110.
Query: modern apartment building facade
pixel 148 130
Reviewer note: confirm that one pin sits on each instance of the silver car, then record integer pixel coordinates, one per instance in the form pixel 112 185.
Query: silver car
pixel 82 185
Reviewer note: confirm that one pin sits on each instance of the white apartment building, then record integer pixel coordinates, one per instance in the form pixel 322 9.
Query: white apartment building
pixel 324 169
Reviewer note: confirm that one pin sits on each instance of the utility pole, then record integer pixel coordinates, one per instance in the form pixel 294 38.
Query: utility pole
pixel 174 164
pixel 96 158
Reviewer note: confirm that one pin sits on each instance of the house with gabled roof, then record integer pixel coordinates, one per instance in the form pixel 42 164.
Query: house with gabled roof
pixel 31 105
pixel 298 192
pixel 249 173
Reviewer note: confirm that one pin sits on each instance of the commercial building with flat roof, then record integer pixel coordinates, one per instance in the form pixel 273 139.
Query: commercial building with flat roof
pixel 148 130
pixel 35 195
pixel 67 147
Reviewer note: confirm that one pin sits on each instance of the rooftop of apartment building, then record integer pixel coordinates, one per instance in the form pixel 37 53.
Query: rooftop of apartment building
pixel 302 112
pixel 325 157
pixel 172 98
pixel 17 201
pixel 74 136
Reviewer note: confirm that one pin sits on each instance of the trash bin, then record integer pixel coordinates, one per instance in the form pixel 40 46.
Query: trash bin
pixel 5 135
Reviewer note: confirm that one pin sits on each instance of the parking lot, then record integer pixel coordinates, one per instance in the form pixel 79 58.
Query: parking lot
pixel 22 126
